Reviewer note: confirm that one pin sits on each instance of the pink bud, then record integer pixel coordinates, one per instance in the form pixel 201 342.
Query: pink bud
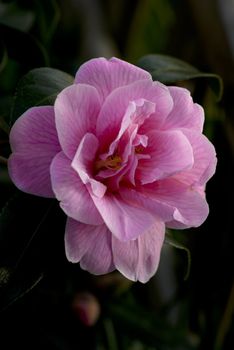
pixel 86 307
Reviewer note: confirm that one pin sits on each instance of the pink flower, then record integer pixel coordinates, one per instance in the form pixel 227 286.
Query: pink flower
pixel 125 156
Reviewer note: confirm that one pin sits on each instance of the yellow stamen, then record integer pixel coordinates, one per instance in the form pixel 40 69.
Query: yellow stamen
pixel 112 162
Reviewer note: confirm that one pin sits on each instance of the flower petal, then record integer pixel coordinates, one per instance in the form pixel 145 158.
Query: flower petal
pixel 137 198
pixel 170 152
pixel 204 160
pixel 185 113
pixel 107 75
pixel 123 220
pixel 76 111
pixel 73 195
pixel 135 114
pixel 83 163
pixel 138 259
pixel 34 143
pixel 190 207
pixel 115 106
pixel 91 245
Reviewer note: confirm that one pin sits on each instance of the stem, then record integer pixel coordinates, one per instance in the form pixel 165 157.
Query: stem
pixel 110 334
pixel 225 321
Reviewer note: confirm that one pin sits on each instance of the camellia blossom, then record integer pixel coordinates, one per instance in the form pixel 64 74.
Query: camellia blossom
pixel 125 157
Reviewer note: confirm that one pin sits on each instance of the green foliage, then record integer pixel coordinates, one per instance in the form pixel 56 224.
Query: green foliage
pixel 170 70
pixel 150 28
pixel 37 284
pixel 47 18
pixel 23 47
pixel 39 87
pixel 11 14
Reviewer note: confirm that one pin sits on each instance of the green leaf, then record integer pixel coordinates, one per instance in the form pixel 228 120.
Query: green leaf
pixel 150 328
pixel 48 15
pixel 167 70
pixel 22 47
pixel 13 15
pixel 37 88
pixel 169 239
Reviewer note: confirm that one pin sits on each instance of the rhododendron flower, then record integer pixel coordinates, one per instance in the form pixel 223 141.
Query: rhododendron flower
pixel 124 156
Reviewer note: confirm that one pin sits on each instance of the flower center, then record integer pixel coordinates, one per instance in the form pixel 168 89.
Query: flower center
pixel 113 162
pixel 139 149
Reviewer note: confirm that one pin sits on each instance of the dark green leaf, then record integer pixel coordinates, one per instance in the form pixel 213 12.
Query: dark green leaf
pixel 39 87
pixel 167 70
pixel 48 16
pixel 169 239
pixel 22 47
pixel 137 322
pixel 16 17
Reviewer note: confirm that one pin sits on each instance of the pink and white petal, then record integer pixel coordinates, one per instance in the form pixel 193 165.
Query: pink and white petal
pixel 170 153
pixel 138 199
pixel 84 163
pixel 76 111
pixel 34 143
pixel 73 195
pixel 116 104
pixel 135 115
pixel 89 245
pixel 107 75
pixel 190 207
pixel 138 259
pixel 185 113
pixel 123 220
pixel 204 160
pixel 99 258
pixel 79 238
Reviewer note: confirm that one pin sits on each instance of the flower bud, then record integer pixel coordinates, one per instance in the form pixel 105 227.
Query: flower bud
pixel 86 306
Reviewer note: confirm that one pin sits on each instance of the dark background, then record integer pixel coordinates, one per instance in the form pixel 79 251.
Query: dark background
pixel 46 302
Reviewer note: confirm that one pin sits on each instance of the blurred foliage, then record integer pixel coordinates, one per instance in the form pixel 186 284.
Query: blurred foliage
pixel 37 285
pixel 39 87
pixel 170 70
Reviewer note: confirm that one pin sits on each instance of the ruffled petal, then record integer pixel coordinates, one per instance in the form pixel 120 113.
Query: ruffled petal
pixel 190 207
pixel 34 143
pixel 76 111
pixel 185 113
pixel 107 75
pixel 73 195
pixel 170 152
pixel 91 245
pixel 138 259
pixel 135 115
pixel 138 198
pixel 204 160
pixel 115 106
pixel 83 164
pixel 123 220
